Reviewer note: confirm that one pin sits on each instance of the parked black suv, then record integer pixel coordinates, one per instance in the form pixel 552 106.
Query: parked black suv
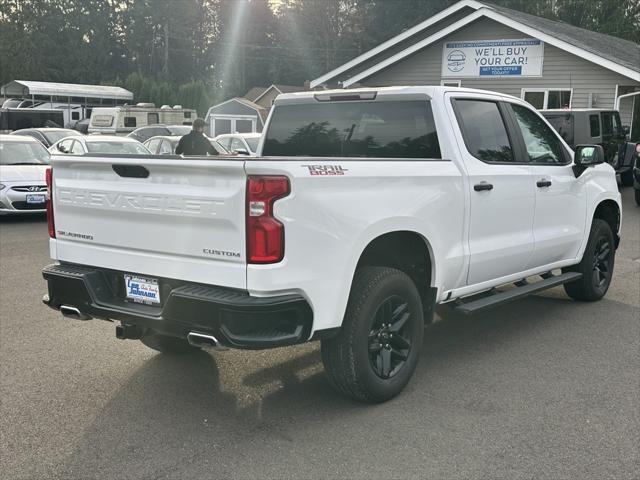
pixel 600 127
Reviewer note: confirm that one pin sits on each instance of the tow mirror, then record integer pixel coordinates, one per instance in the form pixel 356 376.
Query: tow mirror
pixel 587 156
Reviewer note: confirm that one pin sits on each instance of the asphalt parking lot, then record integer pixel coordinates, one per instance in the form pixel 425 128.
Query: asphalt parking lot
pixel 542 388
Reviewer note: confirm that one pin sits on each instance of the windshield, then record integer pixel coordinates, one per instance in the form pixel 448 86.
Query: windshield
pixel 391 129
pixel 219 148
pixel 179 129
pixel 54 136
pixel 133 148
pixel 27 153
pixel 253 144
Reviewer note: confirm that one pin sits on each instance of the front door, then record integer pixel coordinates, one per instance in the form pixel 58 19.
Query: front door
pixel 560 207
pixel 501 190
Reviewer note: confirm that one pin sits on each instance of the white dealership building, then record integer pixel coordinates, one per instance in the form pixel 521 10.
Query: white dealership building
pixel 473 44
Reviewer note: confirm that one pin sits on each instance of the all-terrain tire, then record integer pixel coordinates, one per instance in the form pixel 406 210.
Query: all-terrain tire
pixel 365 361
pixel 596 265
pixel 167 344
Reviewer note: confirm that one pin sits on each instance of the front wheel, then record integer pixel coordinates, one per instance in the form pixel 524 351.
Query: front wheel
pixel 376 352
pixel 596 265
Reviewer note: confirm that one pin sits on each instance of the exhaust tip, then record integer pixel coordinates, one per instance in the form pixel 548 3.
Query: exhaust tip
pixel 201 340
pixel 73 313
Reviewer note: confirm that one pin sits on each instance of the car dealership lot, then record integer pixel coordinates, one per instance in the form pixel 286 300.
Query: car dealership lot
pixel 541 388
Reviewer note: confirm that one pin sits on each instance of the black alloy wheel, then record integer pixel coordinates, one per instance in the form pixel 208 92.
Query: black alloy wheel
pixel 601 262
pixel 376 351
pixel 596 265
pixel 390 337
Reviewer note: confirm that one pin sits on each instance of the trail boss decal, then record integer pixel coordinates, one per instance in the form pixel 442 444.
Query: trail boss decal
pixel 326 170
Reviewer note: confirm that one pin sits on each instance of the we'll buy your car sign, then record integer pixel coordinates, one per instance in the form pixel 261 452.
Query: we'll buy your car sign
pixel 493 58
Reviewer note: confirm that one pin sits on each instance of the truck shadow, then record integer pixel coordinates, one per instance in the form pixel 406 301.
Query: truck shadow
pixel 23 219
pixel 227 403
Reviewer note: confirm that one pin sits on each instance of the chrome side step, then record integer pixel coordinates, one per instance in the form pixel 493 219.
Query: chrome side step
pixel 522 290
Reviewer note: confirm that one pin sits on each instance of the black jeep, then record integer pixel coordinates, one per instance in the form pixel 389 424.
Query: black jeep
pixel 601 127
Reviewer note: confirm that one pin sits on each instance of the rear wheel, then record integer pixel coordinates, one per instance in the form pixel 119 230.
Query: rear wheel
pixel 166 344
pixel 596 265
pixel 376 352
pixel 626 178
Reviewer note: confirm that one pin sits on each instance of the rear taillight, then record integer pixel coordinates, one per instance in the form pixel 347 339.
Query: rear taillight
pixel 265 234
pixel 50 222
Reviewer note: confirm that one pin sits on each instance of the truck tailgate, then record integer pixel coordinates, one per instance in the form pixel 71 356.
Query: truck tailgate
pixel 163 217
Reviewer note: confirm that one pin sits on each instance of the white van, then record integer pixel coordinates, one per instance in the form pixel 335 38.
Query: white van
pixel 125 119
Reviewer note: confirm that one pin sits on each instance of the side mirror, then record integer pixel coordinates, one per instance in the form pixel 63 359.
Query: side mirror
pixel 241 151
pixel 587 156
pixel 62 149
pixel 626 129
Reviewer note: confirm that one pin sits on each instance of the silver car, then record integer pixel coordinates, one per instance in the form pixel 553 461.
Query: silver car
pixel 91 144
pixel 23 163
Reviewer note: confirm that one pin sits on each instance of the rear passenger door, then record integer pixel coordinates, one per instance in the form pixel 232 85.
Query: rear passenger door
pixel 502 194
pixel 560 207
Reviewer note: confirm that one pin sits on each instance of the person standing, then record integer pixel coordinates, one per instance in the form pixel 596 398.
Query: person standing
pixel 195 142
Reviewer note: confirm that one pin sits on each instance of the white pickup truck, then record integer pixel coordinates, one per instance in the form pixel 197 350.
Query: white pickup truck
pixel 365 209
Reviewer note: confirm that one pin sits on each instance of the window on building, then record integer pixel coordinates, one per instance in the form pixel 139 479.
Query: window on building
pixel 594 124
pixel 544 98
pixel 484 131
pixel 534 98
pixel 558 98
pixel 129 121
pixel 244 126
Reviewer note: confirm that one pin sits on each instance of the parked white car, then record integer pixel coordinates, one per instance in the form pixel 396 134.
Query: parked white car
pixel 23 163
pixel 166 145
pixel 88 144
pixel 364 210
pixel 241 143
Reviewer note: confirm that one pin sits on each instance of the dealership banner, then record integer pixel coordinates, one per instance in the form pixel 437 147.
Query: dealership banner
pixel 493 58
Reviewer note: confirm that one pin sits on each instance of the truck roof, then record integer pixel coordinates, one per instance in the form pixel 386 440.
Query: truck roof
pixel 429 90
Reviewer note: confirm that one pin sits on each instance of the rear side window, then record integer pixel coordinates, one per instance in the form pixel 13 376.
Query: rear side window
pixel 607 123
pixel 484 131
pixel 594 125
pixel 403 129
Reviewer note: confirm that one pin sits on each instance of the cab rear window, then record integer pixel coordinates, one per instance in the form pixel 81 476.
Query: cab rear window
pixel 403 129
